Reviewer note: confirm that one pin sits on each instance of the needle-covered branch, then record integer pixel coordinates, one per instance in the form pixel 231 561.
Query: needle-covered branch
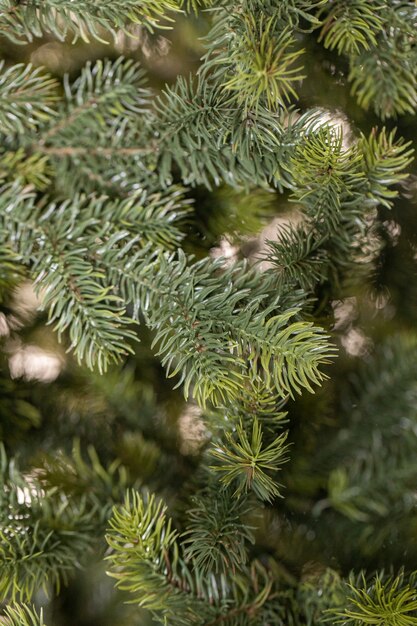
pixel 80 19
pixel 22 615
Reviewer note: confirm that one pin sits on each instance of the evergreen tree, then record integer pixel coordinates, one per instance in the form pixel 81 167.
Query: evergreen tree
pixel 208 312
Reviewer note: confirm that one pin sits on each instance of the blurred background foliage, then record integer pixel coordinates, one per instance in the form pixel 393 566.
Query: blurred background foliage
pixel 339 511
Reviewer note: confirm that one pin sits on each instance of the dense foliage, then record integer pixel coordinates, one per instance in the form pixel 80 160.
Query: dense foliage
pixel 208 312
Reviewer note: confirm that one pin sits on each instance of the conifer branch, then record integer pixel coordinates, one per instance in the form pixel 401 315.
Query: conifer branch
pixel 247 463
pixel 22 615
pixel 80 19
pixel 144 559
pixel 216 533
pixel 264 65
pixel 379 40
pixel 358 466
pixel 385 79
pixel 386 158
pixel 28 98
pixel 79 478
pixel 351 28
pixel 43 537
pixel 384 600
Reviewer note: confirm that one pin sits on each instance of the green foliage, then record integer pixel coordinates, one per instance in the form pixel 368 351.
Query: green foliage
pixel 326 173
pixel 247 463
pixel 78 291
pixel 386 158
pixel 351 27
pixel 337 186
pixel 379 40
pixel 22 615
pixel 217 533
pixel 53 518
pixel 146 561
pixel 86 296
pixel 82 19
pixel 94 212
pixel 315 595
pixel 104 92
pixel 385 79
pixel 144 556
pixel 76 477
pixel 386 601
pixel 264 64
pixel 71 286
pixel 43 536
pixel 213 140
pixel 207 329
pixel 358 486
pixel 189 114
pixel 298 257
pixel 107 97
pixel 28 98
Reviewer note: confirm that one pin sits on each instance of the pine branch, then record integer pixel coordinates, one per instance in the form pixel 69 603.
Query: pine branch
pixel 99 128
pixel 385 78
pixel 22 615
pixel 121 145
pixel 253 54
pixel 337 187
pixel 379 40
pixel 247 463
pixel 77 291
pixel 208 333
pixel 212 139
pixel 27 98
pixel 81 19
pixel 216 533
pixel 299 257
pixel 103 91
pixel 385 161
pixel 384 600
pixel 43 536
pixel 351 28
pixel 199 324
pixel 235 338
pixel 382 395
pixel 326 174
pixel 144 560
pixel 188 116
pixel 71 287
pixel 78 478
pixel 264 65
